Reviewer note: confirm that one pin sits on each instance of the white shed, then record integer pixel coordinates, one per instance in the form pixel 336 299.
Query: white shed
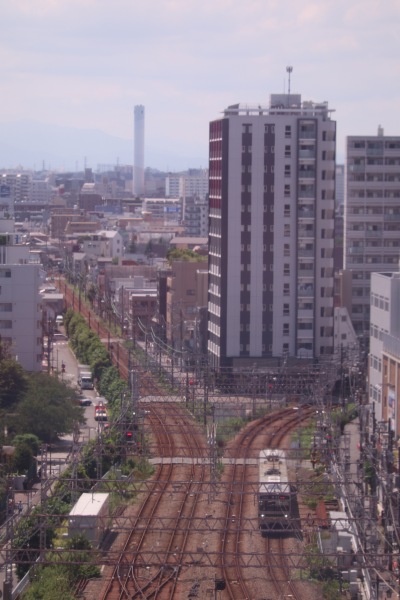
pixel 89 517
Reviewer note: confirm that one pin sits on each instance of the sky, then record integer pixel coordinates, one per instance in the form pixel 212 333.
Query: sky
pixel 84 64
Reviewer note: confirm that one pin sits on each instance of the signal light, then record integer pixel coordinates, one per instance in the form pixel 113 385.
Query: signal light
pixel 128 435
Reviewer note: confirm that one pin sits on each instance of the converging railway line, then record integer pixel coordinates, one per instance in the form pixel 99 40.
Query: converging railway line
pixel 193 532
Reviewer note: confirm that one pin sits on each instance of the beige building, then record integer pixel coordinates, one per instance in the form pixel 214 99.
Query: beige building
pixel 187 287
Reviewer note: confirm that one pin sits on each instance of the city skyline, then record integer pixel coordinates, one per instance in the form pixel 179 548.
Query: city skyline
pixel 84 65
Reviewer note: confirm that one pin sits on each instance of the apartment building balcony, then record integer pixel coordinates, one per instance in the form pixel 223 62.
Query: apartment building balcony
pixel 306 173
pixel 305 290
pixel 306 233
pixel 373 234
pixel 307 135
pixel 306 212
pixel 305 272
pixel 357 168
pixel 304 335
pixel 305 314
pixel 307 154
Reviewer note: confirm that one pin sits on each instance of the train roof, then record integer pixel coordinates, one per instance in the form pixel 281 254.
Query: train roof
pixel 273 474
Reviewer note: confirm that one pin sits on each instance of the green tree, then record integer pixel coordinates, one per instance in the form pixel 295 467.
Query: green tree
pixel 22 458
pixel 13 381
pixel 48 409
pixel 28 438
pixel 49 583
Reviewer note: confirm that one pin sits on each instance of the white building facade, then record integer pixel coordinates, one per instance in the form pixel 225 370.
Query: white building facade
pixel 271 238
pixel 104 243
pixel 20 302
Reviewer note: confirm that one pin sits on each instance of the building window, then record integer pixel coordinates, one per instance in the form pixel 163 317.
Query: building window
pixel 5 307
pixel 5 273
pixel 5 324
pixel 286 269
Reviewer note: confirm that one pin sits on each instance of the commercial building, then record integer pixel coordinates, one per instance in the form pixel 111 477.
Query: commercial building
pixel 372 216
pixel 271 237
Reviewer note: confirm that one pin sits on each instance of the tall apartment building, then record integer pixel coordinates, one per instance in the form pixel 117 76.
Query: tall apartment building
pixel 271 219
pixel 372 216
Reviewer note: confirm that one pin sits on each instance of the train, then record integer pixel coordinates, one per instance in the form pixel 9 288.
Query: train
pixel 275 496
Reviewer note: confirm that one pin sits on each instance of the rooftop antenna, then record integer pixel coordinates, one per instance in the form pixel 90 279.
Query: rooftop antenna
pixel 289 70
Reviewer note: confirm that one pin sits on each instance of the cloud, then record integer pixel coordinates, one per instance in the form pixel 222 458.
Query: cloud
pixel 85 63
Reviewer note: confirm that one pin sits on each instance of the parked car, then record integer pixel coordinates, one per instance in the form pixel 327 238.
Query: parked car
pixel 85 401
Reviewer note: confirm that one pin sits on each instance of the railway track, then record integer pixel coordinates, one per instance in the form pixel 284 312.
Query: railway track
pixel 151 560
pixel 135 576
pixel 268 432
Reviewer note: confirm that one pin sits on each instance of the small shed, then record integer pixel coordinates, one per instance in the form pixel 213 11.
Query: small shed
pixel 89 517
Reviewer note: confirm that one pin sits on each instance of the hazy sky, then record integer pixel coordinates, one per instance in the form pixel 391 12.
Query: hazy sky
pixel 86 63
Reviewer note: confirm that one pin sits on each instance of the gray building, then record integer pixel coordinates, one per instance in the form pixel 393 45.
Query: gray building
pixel 372 216
pixel 271 236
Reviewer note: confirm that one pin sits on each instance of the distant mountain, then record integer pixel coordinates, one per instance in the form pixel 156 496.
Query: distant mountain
pixel 31 145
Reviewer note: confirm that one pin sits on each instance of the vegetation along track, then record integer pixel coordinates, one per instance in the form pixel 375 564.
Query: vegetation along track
pixel 120 357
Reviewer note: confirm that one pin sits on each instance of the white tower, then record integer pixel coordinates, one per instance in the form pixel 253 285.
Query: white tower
pixel 138 162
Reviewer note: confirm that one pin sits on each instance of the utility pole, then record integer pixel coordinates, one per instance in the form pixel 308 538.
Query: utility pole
pixel 8 567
